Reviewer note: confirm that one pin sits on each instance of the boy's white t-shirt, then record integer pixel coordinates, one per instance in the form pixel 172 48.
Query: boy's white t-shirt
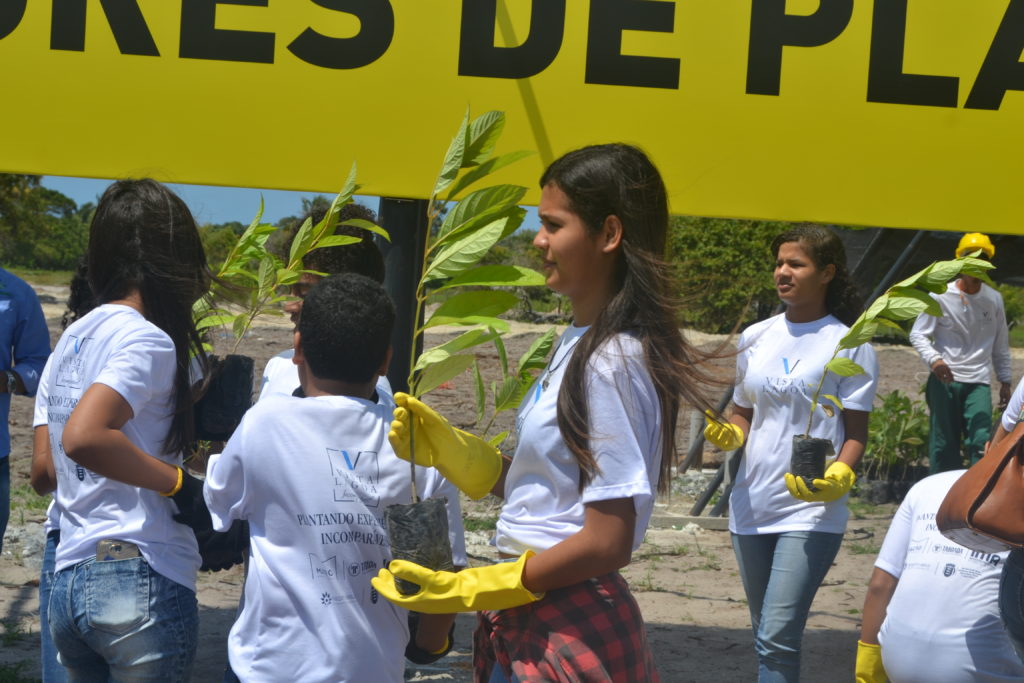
pixel 1013 408
pixel 942 624
pixel 52 522
pixel 313 477
pixel 543 504
pixel 116 346
pixel 777 370
pixel 281 376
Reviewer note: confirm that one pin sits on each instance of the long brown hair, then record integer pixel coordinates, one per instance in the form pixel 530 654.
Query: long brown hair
pixel 619 180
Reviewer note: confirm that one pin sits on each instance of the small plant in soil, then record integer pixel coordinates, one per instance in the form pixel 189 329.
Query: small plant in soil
pixel 903 301
pixel 469 224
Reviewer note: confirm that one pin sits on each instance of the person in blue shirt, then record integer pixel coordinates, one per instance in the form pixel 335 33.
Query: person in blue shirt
pixel 25 346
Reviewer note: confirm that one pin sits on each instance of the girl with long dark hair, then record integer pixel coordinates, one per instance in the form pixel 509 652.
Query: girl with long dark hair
pixel 785 533
pixel 122 603
pixel 596 440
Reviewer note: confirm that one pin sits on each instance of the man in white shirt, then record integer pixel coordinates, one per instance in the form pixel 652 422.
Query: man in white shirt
pixel 958 348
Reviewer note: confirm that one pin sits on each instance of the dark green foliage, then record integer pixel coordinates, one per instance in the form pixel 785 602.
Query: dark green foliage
pixel 1013 302
pixel 725 268
pixel 897 436
pixel 40 227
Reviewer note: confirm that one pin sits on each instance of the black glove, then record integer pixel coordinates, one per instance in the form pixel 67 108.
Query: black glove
pixel 418 655
pixel 218 549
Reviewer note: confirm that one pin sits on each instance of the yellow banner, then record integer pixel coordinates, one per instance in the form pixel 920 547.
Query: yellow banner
pixel 901 113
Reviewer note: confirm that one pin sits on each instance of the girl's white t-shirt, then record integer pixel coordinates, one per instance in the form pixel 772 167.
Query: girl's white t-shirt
pixel 313 477
pixel 116 346
pixel 942 624
pixel 543 504
pixel 777 370
pixel 52 522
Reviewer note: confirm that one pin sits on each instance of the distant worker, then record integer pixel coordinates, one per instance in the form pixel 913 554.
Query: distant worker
pixel 958 348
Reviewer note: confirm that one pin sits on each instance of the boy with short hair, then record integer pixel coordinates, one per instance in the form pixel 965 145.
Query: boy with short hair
pixel 313 475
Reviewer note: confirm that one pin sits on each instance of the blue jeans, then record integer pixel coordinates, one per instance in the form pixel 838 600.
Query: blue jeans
pixel 781 573
pixel 119 620
pixel 1011 600
pixel 5 496
pixel 53 672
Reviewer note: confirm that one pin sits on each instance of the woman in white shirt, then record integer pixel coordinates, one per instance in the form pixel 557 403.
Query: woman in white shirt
pixel 785 533
pixel 119 416
pixel 596 440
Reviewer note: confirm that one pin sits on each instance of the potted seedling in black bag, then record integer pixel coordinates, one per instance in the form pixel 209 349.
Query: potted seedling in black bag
pixel 903 301
pixel 466 296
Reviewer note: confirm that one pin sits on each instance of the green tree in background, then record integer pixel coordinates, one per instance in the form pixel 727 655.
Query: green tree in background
pixel 40 227
pixel 725 267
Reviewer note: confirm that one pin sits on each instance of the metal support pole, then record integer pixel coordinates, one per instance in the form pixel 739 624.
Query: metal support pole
pixel 697 442
pixel 406 222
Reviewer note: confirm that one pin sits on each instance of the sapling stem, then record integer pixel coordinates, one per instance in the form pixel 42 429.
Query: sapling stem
pixel 412 460
pixel 817 392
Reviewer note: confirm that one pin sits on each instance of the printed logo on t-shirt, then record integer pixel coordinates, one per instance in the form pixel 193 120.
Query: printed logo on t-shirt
pixel 323 569
pixel 72 361
pixel 355 474
pixel 987 558
pixel 787 367
pixel 949 569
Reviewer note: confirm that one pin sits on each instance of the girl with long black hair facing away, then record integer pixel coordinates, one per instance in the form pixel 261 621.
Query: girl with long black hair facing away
pixel 785 533
pixel 122 604
pixel 596 440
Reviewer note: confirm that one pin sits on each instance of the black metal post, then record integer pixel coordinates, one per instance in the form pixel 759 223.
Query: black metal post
pixel 406 222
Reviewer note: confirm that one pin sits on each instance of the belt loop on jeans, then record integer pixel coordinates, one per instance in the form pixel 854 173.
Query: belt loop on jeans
pixel 109 549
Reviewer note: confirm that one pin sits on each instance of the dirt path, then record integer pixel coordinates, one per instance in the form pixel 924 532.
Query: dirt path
pixel 685 579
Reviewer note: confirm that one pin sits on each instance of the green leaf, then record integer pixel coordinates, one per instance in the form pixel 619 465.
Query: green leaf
pixel 496 276
pixel 536 356
pixel 483 135
pixel 301 243
pixel 484 170
pixel 498 439
pixel 885 322
pixel 437 374
pixel 267 275
pixel 829 410
pixel 287 277
pixel 876 307
pixel 481 395
pixel 473 304
pixel 369 226
pixel 214 321
pixel 464 341
pixel 467 251
pixel 509 395
pixel 453 158
pixel 239 325
pixel 861 332
pixel 349 188
pixel 844 367
pixel 479 207
pixel 502 355
pixel 937 276
pixel 905 303
pixel 836 401
pixel 913 441
pixel 336 241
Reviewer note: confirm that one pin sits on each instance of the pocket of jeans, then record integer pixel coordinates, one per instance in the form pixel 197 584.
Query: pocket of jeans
pixel 117 595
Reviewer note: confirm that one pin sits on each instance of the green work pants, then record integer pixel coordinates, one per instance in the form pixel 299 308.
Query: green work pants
pixel 958 411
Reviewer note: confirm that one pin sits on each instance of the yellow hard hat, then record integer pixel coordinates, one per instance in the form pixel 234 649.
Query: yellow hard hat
pixel 973 241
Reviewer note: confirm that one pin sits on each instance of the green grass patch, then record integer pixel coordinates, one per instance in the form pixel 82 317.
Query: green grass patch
pixel 1017 336
pixel 25 502
pixel 44 277
pixel 864 549
pixel 480 523
pixel 15 673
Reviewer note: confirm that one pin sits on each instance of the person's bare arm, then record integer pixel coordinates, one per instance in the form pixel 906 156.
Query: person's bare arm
pixel 742 417
pixel 855 427
pixel 93 439
pixel 876 602
pixel 603 545
pixel 42 475
pixel 499 486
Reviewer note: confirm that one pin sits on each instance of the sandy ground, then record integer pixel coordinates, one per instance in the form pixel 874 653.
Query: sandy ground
pixel 684 576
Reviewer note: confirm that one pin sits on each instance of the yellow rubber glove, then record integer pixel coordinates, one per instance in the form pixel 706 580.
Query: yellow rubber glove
pixel 725 435
pixel 869 663
pixel 465 460
pixel 494 587
pixel 836 484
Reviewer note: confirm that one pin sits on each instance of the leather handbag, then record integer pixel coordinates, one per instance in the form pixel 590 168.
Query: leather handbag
pixel 984 509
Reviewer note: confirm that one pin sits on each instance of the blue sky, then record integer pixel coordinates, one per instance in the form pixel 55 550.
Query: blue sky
pixel 211 204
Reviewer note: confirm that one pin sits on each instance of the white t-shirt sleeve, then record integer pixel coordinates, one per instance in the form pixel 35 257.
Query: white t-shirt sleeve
pixel 739 396
pixel 1013 408
pixel 624 412
pixel 858 392
pixel 226 486
pixel 140 366
pixel 893 554
pixel 921 335
pixel 40 414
